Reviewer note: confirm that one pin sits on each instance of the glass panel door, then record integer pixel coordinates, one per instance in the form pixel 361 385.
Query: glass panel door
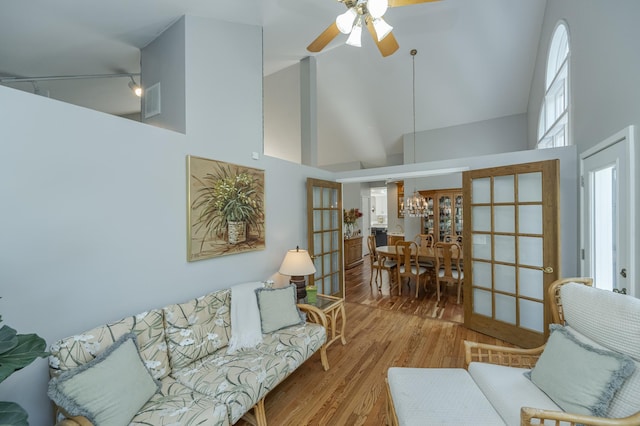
pixel 324 219
pixel 513 256
pixel 607 205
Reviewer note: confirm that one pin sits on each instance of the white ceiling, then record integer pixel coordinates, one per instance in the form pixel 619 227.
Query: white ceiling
pixel 475 60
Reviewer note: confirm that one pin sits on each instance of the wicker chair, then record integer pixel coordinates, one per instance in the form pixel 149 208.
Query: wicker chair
pixel 527 358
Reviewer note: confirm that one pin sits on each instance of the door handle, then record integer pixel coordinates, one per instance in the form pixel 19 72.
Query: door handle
pixel 547 270
pixel 623 272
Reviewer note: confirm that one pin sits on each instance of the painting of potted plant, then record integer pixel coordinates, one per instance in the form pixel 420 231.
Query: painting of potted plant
pixel 226 208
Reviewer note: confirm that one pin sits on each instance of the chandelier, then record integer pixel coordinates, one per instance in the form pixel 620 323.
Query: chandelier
pixel 415 206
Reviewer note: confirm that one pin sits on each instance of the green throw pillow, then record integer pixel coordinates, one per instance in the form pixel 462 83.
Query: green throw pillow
pixel 110 389
pixel 278 308
pixel 579 378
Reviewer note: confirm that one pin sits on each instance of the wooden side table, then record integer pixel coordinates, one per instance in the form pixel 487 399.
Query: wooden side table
pixel 333 309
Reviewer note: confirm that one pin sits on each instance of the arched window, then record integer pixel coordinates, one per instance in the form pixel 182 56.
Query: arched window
pixel 553 125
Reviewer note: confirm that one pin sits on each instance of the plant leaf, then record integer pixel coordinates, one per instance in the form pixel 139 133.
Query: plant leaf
pixel 12 414
pixel 29 347
pixel 8 339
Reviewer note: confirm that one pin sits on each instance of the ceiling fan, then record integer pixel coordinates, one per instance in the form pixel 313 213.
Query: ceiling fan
pixel 368 13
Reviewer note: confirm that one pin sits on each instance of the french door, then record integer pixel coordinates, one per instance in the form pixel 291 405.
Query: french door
pixel 324 233
pixel 511 250
pixel 607 206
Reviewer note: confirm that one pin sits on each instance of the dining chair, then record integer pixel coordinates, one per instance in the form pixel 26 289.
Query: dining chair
pixel 448 267
pixel 408 265
pixel 378 263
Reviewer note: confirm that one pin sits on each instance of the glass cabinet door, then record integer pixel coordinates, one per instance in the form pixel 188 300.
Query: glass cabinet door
pixel 458 215
pixel 427 221
pixel 444 206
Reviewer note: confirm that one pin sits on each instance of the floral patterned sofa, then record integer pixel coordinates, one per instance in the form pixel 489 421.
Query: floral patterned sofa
pixel 185 348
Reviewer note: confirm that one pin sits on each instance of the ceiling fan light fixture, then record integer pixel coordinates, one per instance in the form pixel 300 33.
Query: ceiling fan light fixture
pixel 377 8
pixel 345 20
pixel 382 28
pixel 355 38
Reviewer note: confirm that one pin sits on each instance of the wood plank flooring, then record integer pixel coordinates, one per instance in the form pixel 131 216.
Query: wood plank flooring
pixel 382 331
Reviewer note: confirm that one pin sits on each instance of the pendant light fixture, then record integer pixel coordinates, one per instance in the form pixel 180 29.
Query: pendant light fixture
pixel 416 205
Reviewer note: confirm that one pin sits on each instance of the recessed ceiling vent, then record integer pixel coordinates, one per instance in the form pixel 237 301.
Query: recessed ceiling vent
pixel 152 101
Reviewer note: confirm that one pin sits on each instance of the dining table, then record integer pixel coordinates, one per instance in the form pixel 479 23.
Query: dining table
pixel 424 253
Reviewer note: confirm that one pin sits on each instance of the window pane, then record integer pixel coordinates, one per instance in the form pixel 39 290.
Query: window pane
pixel 481 191
pixel 505 278
pixel 481 219
pixel 503 189
pixel 505 220
pixel 531 315
pixel 530 187
pixel 506 308
pixel 530 219
pixel 482 302
pixel 482 274
pixel 481 246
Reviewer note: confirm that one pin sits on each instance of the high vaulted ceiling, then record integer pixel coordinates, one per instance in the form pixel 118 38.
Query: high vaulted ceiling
pixel 475 60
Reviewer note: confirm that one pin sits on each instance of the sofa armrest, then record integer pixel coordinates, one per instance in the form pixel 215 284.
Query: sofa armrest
pixel 501 355
pixel 75 421
pixel 314 315
pixel 536 416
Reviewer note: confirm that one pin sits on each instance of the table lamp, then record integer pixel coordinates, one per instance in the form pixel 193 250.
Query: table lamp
pixel 297 263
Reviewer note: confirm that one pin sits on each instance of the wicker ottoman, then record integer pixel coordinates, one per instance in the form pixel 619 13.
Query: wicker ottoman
pixel 455 400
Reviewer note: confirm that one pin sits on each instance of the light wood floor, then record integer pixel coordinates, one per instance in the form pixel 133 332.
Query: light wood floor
pixel 382 331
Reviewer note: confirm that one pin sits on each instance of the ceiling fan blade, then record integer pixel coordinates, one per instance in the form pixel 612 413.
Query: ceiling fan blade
pixel 325 38
pixel 388 45
pixel 398 3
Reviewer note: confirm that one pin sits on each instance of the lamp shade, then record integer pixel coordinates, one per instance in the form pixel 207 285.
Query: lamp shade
pixel 344 21
pixel 297 263
pixel 382 28
pixel 355 38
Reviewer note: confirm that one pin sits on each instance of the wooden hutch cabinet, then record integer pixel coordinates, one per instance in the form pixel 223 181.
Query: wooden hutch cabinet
pixel 445 213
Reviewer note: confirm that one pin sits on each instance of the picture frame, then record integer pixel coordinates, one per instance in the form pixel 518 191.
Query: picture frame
pixel 225 208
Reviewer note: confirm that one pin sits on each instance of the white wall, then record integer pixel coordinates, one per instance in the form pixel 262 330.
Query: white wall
pixel 282 136
pixel 93 217
pixel 504 134
pixel 163 61
pixel 604 71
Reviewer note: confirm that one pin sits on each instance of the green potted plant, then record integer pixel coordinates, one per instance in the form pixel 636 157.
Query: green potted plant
pixel 16 352
pixel 230 202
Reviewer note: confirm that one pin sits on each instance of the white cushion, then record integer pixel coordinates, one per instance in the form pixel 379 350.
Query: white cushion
pixel 439 396
pixel 415 271
pixel 507 389
pixel 454 273
pixel 618 317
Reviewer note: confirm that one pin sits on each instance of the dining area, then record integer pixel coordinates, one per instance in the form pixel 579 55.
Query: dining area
pixel 419 266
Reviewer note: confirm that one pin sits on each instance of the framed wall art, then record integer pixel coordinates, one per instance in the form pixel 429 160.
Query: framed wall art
pixel 225 208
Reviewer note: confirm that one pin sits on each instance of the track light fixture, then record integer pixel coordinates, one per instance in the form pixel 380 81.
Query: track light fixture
pixel 135 87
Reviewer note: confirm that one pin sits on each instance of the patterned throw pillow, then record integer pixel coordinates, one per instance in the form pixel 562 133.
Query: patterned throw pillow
pixel 198 328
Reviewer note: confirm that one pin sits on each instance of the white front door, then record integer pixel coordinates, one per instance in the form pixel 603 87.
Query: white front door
pixel 608 201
